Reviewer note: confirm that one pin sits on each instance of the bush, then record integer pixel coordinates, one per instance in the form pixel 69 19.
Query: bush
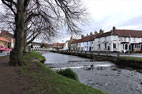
pixel 68 73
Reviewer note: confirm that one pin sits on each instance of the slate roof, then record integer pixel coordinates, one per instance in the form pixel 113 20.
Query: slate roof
pixel 122 33
pixel 58 44
pixel 129 33
pixel 85 39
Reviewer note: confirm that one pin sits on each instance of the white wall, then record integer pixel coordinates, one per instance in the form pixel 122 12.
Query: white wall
pixel 105 43
pixel 66 46
pixel 12 43
pixel 111 40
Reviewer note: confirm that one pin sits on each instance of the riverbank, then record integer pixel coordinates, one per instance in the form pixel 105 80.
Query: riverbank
pixel 45 81
pixel 105 75
pixel 123 61
pixel 36 78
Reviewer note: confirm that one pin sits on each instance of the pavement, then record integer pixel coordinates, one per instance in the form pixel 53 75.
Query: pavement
pixel 11 81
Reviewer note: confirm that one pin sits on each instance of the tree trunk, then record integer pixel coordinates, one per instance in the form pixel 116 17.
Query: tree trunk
pixel 16 55
pixel 24 40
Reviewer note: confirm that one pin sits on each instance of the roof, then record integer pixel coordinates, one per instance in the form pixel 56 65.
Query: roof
pixel 3 39
pixel 88 38
pixel 75 41
pixel 85 39
pixel 129 33
pixel 58 44
pixel 122 33
pixel 7 33
pixel 36 43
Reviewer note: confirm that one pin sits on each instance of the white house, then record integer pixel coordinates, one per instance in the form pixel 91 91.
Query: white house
pixel 74 45
pixel 118 40
pixel 86 42
pixel 83 44
pixel 66 45
pixel 35 45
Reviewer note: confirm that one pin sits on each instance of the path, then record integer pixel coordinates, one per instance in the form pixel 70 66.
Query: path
pixel 10 81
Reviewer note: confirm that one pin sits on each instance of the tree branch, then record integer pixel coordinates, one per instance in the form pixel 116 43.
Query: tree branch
pixel 9 4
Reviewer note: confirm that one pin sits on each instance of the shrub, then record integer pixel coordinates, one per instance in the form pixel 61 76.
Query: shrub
pixel 68 73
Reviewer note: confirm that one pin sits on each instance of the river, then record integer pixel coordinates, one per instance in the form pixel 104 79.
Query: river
pixel 105 76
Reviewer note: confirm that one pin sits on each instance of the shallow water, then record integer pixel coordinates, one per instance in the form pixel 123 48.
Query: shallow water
pixel 105 75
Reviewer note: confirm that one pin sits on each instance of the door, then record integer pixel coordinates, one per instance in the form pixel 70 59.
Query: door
pixel 90 49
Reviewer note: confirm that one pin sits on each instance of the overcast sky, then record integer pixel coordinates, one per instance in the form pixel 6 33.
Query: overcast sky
pixel 104 14
pixel 123 14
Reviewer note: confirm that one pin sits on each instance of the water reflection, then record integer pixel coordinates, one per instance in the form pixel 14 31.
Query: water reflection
pixel 65 61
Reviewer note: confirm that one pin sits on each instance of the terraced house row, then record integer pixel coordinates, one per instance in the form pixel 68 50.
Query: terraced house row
pixel 115 40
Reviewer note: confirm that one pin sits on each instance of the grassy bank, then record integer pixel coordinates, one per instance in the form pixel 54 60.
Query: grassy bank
pixel 46 81
pixel 132 58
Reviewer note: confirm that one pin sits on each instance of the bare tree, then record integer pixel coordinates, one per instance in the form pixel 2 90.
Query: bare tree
pixel 32 18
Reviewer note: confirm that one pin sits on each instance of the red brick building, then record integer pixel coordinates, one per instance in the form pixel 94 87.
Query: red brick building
pixel 58 46
pixel 3 42
pixel 8 36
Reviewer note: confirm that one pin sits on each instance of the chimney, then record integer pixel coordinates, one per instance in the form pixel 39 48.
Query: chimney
pixel 82 36
pixel 101 31
pixel 113 29
pixel 95 32
pixel 71 39
pixel 2 31
pixel 87 34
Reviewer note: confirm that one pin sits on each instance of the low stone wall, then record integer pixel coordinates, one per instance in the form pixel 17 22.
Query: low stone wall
pixel 117 60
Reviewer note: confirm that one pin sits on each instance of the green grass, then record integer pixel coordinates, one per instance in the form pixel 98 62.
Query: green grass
pixel 46 81
pixel 33 55
pixel 132 58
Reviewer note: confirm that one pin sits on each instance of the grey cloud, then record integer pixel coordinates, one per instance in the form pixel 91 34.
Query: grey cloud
pixel 133 21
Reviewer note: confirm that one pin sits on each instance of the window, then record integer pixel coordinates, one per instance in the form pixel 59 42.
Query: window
pixel 126 47
pixel 138 46
pixel 105 45
pixel 121 39
pixel 114 45
pixel 124 39
pixel 135 46
pixel 99 45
